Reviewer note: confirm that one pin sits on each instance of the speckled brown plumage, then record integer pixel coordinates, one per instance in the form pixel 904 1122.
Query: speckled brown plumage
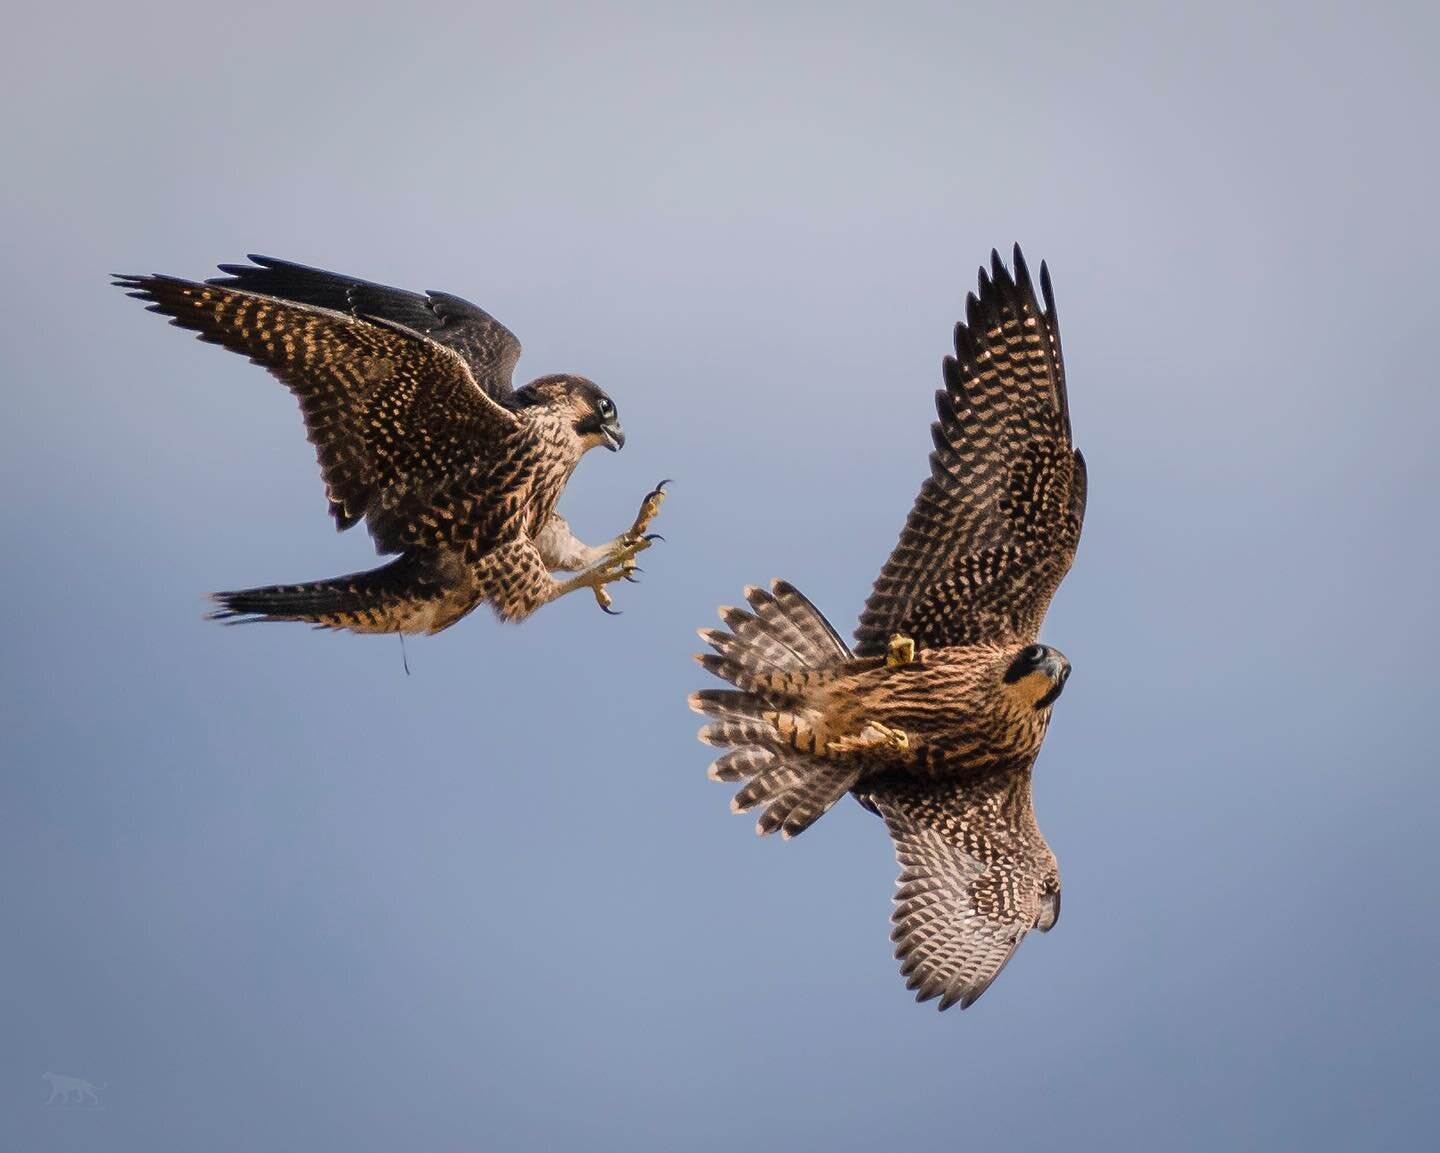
pixel 408 402
pixel 935 719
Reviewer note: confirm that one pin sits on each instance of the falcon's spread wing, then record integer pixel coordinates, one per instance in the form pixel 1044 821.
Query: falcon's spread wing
pixel 994 529
pixel 487 346
pixel 976 876
pixel 386 408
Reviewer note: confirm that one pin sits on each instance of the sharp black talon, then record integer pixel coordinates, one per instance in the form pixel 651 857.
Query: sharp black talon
pixel 661 486
pixel 654 536
pixel 612 612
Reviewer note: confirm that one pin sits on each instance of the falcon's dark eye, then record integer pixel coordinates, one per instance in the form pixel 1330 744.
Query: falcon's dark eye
pixel 605 408
pixel 1033 655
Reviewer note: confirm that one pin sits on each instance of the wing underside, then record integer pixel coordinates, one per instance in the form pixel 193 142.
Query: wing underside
pixel 994 528
pixel 976 876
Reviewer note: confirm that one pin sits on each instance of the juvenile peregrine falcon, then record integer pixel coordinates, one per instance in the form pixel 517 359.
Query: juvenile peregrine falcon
pixel 935 719
pixel 407 399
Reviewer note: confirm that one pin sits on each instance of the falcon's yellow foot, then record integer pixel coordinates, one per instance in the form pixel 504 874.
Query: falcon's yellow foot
pixel 873 738
pixel 900 651
pixel 880 735
pixel 619 565
pixel 649 510
pixel 634 539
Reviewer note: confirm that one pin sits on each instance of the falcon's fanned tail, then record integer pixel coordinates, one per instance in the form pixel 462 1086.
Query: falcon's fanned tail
pixel 775 655
pixel 396 597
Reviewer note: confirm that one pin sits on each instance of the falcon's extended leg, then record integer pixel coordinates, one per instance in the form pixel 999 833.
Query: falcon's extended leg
pixel 565 552
pixel 514 578
pixel 618 565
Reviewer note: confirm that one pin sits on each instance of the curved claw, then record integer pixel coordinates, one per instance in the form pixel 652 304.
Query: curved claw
pixel 661 486
pixel 630 576
pixel 612 612
pixel 652 536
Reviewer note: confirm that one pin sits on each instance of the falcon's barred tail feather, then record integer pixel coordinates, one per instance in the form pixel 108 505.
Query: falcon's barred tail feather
pixel 775 654
pixel 796 792
pixel 393 598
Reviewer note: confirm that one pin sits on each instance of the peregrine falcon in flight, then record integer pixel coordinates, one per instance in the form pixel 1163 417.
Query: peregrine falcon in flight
pixel 934 720
pixel 408 401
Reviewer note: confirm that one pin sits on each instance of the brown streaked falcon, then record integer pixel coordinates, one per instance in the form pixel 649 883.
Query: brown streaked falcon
pixel 408 401
pixel 935 719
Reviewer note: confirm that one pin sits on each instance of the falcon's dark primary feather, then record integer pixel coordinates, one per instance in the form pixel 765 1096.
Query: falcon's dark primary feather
pixel 383 406
pixel 407 400
pixel 487 346
pixel 935 720
pixel 994 528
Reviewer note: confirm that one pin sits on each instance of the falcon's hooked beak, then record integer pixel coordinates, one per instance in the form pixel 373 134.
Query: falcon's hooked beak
pixel 1057 669
pixel 614 435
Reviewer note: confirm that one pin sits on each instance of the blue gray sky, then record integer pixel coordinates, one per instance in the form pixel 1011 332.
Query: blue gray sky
pixel 273 894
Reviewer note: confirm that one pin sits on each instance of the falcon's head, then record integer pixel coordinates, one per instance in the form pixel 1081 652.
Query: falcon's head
pixel 1037 674
pixel 592 414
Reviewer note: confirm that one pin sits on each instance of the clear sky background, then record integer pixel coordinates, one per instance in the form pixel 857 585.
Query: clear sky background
pixel 275 895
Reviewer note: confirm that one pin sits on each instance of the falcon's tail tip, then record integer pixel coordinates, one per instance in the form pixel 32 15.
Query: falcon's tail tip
pixel 384 600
